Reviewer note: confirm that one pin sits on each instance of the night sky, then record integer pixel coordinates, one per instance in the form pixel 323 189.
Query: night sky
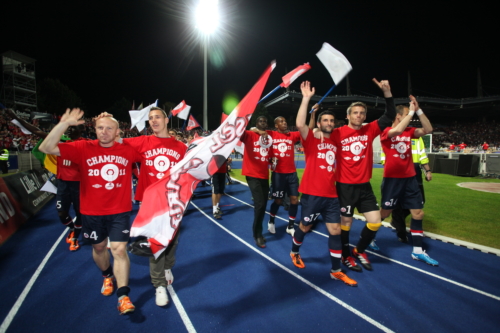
pixel 143 49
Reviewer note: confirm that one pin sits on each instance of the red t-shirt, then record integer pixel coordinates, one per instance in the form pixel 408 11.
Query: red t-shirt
pixel 158 155
pixel 319 174
pixel 398 158
pixel 223 168
pixel 462 146
pixel 282 149
pixel 105 175
pixel 255 157
pixel 355 154
pixel 486 146
pixel 67 170
pixel 452 147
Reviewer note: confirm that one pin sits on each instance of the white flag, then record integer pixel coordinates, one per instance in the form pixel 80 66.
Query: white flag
pixel 18 124
pixel 335 62
pixel 49 187
pixel 137 118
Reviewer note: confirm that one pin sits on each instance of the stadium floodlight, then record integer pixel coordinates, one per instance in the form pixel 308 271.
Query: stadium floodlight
pixel 207 20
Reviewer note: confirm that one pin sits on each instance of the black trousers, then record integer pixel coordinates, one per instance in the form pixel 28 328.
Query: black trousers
pixel 399 214
pixel 4 166
pixel 260 189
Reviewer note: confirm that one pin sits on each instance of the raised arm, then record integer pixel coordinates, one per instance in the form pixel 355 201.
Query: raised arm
pixel 312 120
pixel 33 129
pixel 390 108
pixel 300 122
pixel 426 124
pixel 399 128
pixel 70 118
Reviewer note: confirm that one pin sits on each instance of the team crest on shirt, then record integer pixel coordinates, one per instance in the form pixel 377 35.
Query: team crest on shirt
pixel 97 185
pixel 109 186
pixel 307 219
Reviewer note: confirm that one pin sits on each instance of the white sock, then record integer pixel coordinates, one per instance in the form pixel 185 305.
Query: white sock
pixel 214 209
pixel 417 250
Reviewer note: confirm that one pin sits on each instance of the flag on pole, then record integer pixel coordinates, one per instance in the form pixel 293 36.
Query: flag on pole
pixel 223 117
pixel 133 105
pixel 165 201
pixel 192 123
pixel 293 75
pixel 181 110
pixel 138 118
pixel 335 62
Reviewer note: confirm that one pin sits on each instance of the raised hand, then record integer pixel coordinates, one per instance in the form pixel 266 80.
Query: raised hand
pixel 414 100
pixel 73 117
pixel 384 86
pixel 306 89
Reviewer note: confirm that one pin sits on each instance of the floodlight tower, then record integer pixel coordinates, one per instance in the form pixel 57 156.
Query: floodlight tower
pixel 19 84
pixel 207 20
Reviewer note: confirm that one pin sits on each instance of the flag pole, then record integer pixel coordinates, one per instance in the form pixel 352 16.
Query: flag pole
pixel 269 94
pixel 322 98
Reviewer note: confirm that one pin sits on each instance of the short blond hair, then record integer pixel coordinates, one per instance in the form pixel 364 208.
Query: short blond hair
pixel 356 104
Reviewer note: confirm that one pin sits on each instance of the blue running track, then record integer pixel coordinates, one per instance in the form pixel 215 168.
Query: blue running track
pixel 224 283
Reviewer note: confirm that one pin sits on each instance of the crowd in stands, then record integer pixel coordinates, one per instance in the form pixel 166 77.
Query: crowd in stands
pixel 13 139
pixel 472 134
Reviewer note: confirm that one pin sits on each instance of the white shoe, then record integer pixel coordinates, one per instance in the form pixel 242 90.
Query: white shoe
pixel 271 227
pixel 161 296
pixel 169 276
pixel 290 231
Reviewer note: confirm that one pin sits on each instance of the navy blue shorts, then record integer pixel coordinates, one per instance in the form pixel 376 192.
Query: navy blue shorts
pixel 68 192
pixel 312 206
pixel 404 191
pixel 358 196
pixel 96 228
pixel 285 183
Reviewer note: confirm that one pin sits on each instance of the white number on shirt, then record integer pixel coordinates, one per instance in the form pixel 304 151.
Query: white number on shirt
pixel 93 172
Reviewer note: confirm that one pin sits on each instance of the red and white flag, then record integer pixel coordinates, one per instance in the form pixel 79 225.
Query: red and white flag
pixel 192 123
pixel 293 75
pixel 181 110
pixel 166 200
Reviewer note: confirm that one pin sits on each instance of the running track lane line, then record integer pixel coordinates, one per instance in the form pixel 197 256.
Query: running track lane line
pixel 400 263
pixel 286 269
pixel 184 316
pixel 12 313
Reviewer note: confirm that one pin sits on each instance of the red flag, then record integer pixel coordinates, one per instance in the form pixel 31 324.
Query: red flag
pixel 192 123
pixel 290 77
pixel 181 110
pixel 165 201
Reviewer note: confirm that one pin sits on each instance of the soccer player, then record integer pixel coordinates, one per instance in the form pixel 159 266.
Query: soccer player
pixel 420 163
pixel 219 184
pixel 319 195
pixel 399 184
pixel 256 170
pixel 354 170
pixel 68 183
pixel 159 152
pixel 105 191
pixel 284 177
pixel 486 146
